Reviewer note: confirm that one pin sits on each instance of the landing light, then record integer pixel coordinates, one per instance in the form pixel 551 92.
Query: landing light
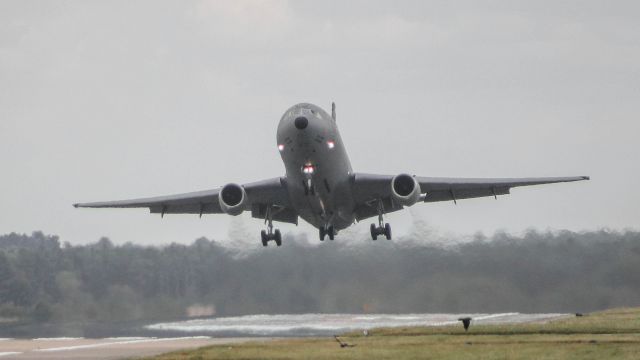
pixel 331 144
pixel 281 147
pixel 308 169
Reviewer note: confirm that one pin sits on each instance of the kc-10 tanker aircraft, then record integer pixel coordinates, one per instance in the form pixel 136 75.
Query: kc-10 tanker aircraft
pixel 320 186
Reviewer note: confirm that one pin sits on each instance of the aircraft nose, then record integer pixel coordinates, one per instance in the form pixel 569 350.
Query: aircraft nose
pixel 301 122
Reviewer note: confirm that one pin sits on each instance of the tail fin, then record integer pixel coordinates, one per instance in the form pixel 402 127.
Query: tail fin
pixel 333 111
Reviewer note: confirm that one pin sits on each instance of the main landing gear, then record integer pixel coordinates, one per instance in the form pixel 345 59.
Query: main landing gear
pixel 327 230
pixel 382 228
pixel 270 233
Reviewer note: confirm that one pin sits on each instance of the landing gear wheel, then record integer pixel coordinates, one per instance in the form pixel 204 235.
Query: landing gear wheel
pixel 331 232
pixel 322 232
pixel 387 231
pixel 270 233
pixel 382 228
pixel 278 237
pixel 374 232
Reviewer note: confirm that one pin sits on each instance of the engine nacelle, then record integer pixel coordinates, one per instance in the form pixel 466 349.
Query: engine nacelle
pixel 232 199
pixel 405 189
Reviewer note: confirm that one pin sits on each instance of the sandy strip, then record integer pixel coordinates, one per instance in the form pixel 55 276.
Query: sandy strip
pixel 125 342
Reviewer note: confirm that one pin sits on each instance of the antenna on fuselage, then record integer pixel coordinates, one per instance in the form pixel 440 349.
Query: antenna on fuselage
pixel 333 111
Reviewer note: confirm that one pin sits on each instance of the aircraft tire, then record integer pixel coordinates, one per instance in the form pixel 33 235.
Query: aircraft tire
pixel 263 236
pixel 331 232
pixel 322 233
pixel 374 232
pixel 278 237
pixel 387 231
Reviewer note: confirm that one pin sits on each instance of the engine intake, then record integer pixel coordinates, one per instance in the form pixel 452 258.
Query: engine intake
pixel 405 189
pixel 232 199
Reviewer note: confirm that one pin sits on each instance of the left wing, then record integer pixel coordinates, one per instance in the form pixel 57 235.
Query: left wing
pixel 271 193
pixel 368 188
pixel 443 189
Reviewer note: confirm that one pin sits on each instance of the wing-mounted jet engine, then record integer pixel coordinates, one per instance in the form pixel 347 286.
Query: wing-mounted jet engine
pixel 405 189
pixel 232 199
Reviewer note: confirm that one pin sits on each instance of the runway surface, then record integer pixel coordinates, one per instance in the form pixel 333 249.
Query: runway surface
pixel 108 348
pixel 172 336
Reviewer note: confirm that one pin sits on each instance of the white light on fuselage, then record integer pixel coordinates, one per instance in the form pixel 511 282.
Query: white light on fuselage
pixel 331 144
pixel 281 147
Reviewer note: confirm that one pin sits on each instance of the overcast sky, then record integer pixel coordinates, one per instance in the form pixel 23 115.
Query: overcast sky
pixel 106 100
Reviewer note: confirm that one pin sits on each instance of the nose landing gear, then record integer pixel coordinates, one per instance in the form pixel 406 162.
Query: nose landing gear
pixel 309 188
pixel 270 233
pixel 382 228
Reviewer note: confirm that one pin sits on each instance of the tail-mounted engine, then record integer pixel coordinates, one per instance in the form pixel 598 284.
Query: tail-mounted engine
pixel 405 189
pixel 232 199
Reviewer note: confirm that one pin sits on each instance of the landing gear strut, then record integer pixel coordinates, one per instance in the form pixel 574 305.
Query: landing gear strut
pixel 382 228
pixel 270 233
pixel 327 230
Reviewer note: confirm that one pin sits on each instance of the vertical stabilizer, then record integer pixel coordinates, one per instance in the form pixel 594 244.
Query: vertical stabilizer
pixel 333 111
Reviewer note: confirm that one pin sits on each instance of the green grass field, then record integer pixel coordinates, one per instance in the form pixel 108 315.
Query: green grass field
pixel 608 334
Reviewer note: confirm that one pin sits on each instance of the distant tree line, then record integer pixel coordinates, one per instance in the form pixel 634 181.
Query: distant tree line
pixel 42 280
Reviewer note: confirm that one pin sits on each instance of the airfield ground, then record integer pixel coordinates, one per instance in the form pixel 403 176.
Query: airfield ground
pixel 609 334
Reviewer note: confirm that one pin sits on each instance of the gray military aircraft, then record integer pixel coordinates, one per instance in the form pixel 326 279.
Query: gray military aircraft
pixel 320 187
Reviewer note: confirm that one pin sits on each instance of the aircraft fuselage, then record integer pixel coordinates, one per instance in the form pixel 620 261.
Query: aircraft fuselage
pixel 317 166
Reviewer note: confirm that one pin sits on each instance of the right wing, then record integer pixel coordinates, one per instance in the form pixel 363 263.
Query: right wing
pixel 271 193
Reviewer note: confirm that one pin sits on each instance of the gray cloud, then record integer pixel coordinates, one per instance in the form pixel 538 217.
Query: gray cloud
pixel 126 99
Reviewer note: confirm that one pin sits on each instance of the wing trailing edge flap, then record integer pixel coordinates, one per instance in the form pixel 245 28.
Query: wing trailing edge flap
pixel 202 208
pixel 453 194
pixel 278 213
pixel 367 210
